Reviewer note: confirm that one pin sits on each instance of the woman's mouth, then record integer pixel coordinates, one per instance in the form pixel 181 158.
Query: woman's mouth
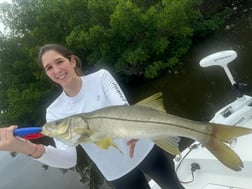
pixel 61 76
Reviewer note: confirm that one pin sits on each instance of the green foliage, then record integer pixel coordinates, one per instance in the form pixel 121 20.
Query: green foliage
pixel 22 104
pixel 131 37
pixel 205 26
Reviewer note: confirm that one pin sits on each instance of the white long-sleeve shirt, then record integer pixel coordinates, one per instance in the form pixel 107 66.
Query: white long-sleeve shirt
pixel 98 90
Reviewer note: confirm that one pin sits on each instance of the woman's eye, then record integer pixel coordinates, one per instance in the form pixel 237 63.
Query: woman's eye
pixel 48 68
pixel 60 61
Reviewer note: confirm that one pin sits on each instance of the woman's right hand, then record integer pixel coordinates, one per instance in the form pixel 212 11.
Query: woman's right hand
pixel 11 143
pixel 132 143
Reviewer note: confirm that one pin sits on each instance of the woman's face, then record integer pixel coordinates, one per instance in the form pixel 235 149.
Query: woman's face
pixel 58 68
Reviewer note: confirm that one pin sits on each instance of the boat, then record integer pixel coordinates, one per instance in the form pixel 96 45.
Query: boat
pixel 196 167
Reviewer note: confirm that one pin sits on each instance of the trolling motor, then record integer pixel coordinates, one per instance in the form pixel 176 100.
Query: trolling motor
pixel 223 58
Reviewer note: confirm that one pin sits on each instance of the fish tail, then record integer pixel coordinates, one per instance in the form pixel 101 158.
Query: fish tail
pixel 227 132
pixel 220 135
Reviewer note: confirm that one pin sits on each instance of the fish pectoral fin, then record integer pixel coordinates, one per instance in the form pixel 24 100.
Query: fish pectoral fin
pixel 154 101
pixel 106 143
pixel 170 144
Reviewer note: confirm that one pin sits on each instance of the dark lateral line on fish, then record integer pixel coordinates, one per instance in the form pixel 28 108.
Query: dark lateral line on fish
pixel 154 122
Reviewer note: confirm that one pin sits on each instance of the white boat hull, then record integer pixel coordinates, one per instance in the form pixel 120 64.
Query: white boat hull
pixel 211 174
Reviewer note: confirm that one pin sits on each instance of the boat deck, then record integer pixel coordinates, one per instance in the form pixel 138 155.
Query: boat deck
pixel 211 174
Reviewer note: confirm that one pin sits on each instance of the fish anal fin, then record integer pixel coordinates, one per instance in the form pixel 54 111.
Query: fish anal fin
pixel 106 143
pixel 170 144
pixel 154 101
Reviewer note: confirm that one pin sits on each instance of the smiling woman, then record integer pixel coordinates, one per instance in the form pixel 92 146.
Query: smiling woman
pixel 82 94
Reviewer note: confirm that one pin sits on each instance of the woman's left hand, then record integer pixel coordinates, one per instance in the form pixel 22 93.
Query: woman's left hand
pixel 11 143
pixel 132 143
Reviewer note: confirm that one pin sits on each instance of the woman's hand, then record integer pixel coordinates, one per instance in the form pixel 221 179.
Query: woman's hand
pixel 11 143
pixel 132 143
pixel 7 140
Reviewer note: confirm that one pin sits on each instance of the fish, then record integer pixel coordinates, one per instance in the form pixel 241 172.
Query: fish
pixel 146 119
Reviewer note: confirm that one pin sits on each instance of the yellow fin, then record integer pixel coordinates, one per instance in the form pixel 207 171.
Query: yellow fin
pixel 170 145
pixel 106 143
pixel 225 154
pixel 227 132
pixel 220 135
pixel 153 101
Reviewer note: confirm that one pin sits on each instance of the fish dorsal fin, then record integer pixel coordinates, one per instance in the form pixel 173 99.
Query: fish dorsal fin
pixel 170 145
pixel 154 101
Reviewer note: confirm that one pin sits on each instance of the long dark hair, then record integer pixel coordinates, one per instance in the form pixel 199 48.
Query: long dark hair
pixel 64 52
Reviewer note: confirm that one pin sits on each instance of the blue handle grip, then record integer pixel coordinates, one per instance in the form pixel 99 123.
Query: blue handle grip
pixel 22 132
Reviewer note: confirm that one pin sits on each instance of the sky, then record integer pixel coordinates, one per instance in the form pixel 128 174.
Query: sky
pixel 1 25
pixel 1 1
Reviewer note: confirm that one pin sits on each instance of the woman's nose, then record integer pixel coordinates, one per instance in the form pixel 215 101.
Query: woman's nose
pixel 56 69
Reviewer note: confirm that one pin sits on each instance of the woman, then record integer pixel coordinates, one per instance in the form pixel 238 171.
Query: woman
pixel 84 94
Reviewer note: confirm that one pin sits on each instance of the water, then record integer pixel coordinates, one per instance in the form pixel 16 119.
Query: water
pixel 195 92
pixel 23 173
pixel 190 91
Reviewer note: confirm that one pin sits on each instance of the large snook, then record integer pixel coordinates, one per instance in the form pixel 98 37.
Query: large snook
pixel 144 122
